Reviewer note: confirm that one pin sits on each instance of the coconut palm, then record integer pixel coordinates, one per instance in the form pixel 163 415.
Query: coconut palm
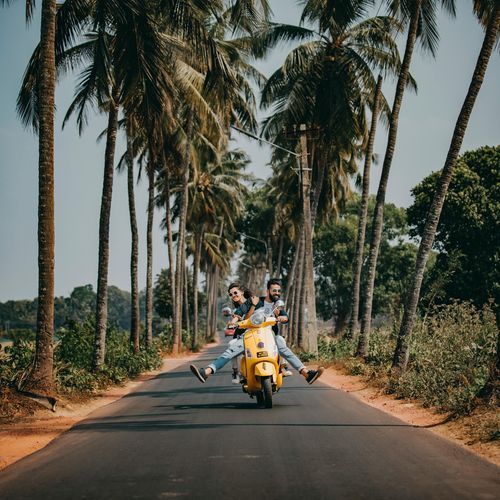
pixel 324 83
pixel 488 12
pixel 363 213
pixel 40 376
pixel 216 193
pixel 421 18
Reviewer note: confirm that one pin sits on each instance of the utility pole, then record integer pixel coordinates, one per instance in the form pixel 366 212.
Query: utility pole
pixel 310 334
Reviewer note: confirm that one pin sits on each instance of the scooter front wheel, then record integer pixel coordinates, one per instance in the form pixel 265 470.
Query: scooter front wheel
pixel 267 389
pixel 260 399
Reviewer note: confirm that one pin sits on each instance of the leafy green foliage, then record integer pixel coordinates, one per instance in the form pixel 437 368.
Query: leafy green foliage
pixel 163 298
pixel 73 358
pixel 334 253
pixel 468 235
pixel 16 315
pixel 452 356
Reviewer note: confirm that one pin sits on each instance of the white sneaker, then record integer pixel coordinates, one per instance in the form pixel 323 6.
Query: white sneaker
pixel 286 373
pixel 236 379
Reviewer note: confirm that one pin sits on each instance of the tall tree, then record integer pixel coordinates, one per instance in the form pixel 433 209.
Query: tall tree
pixel 134 252
pixel 363 213
pixel 488 12
pixel 420 15
pixel 324 83
pixel 40 376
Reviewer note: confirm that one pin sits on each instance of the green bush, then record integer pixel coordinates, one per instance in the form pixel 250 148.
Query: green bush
pixel 73 356
pixel 15 360
pixel 381 347
pixel 451 357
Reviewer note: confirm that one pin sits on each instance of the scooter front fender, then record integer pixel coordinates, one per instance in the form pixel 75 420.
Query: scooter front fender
pixel 265 369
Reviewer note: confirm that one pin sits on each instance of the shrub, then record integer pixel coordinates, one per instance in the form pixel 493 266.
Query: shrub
pixel 451 357
pixel 15 360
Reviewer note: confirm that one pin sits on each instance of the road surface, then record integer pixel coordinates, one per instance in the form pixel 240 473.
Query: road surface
pixel 175 437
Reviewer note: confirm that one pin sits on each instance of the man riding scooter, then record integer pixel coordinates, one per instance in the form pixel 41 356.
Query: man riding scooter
pixel 236 348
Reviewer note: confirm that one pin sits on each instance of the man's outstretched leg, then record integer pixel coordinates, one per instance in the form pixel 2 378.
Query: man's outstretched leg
pixel 310 375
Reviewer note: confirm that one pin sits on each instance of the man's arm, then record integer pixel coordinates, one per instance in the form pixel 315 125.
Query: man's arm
pixel 281 315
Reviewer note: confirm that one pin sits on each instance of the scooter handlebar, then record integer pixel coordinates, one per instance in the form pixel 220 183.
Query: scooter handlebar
pixel 247 323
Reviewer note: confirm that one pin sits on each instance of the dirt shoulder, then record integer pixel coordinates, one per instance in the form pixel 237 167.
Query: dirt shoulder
pixel 22 438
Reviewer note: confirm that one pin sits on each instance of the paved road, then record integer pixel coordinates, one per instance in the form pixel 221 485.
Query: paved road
pixel 175 437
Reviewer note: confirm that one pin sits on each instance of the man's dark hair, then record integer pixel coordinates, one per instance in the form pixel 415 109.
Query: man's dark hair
pixel 273 281
pixel 234 285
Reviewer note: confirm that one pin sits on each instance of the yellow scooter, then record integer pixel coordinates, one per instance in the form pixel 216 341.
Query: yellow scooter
pixel 260 366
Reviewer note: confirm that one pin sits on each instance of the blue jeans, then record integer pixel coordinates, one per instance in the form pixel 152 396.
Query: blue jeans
pixel 236 348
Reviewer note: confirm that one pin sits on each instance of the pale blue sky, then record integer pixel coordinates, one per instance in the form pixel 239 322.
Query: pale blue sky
pixel 425 129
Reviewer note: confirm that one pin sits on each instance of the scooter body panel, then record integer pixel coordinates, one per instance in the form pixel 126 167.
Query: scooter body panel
pixel 260 359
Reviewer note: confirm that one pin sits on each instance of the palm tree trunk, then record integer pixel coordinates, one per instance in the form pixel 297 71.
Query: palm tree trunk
pixel 310 334
pixel 291 287
pixel 134 254
pixel 316 192
pixel 363 212
pixel 40 377
pixel 300 300
pixel 297 294
pixel 196 271
pixel 213 303
pixel 102 274
pixel 170 247
pixel 186 301
pixel 270 257
pixel 182 234
pixel 149 249
pixel 400 359
pixel 378 215
pixel 280 255
pixel 209 281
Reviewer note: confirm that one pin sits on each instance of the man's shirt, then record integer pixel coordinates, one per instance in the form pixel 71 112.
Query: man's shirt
pixel 269 307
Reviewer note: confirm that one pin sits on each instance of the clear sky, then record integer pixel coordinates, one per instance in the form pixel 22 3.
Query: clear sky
pixel 425 128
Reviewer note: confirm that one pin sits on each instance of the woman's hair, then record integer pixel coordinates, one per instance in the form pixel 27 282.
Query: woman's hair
pixel 235 285
pixel 247 293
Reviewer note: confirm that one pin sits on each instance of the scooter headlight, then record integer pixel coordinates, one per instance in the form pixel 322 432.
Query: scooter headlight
pixel 258 318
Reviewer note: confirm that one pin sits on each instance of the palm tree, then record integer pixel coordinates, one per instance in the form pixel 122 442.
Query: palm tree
pixel 420 15
pixel 488 13
pixel 215 193
pixel 40 376
pixel 111 80
pixel 323 84
pixel 134 251
pixel 363 213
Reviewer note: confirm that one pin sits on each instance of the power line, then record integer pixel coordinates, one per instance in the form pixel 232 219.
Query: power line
pixel 253 136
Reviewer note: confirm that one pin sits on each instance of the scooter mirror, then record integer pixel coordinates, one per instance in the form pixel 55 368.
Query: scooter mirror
pixel 226 311
pixel 279 303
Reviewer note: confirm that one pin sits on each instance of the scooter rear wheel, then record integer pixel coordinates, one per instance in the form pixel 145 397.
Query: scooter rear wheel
pixel 267 389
